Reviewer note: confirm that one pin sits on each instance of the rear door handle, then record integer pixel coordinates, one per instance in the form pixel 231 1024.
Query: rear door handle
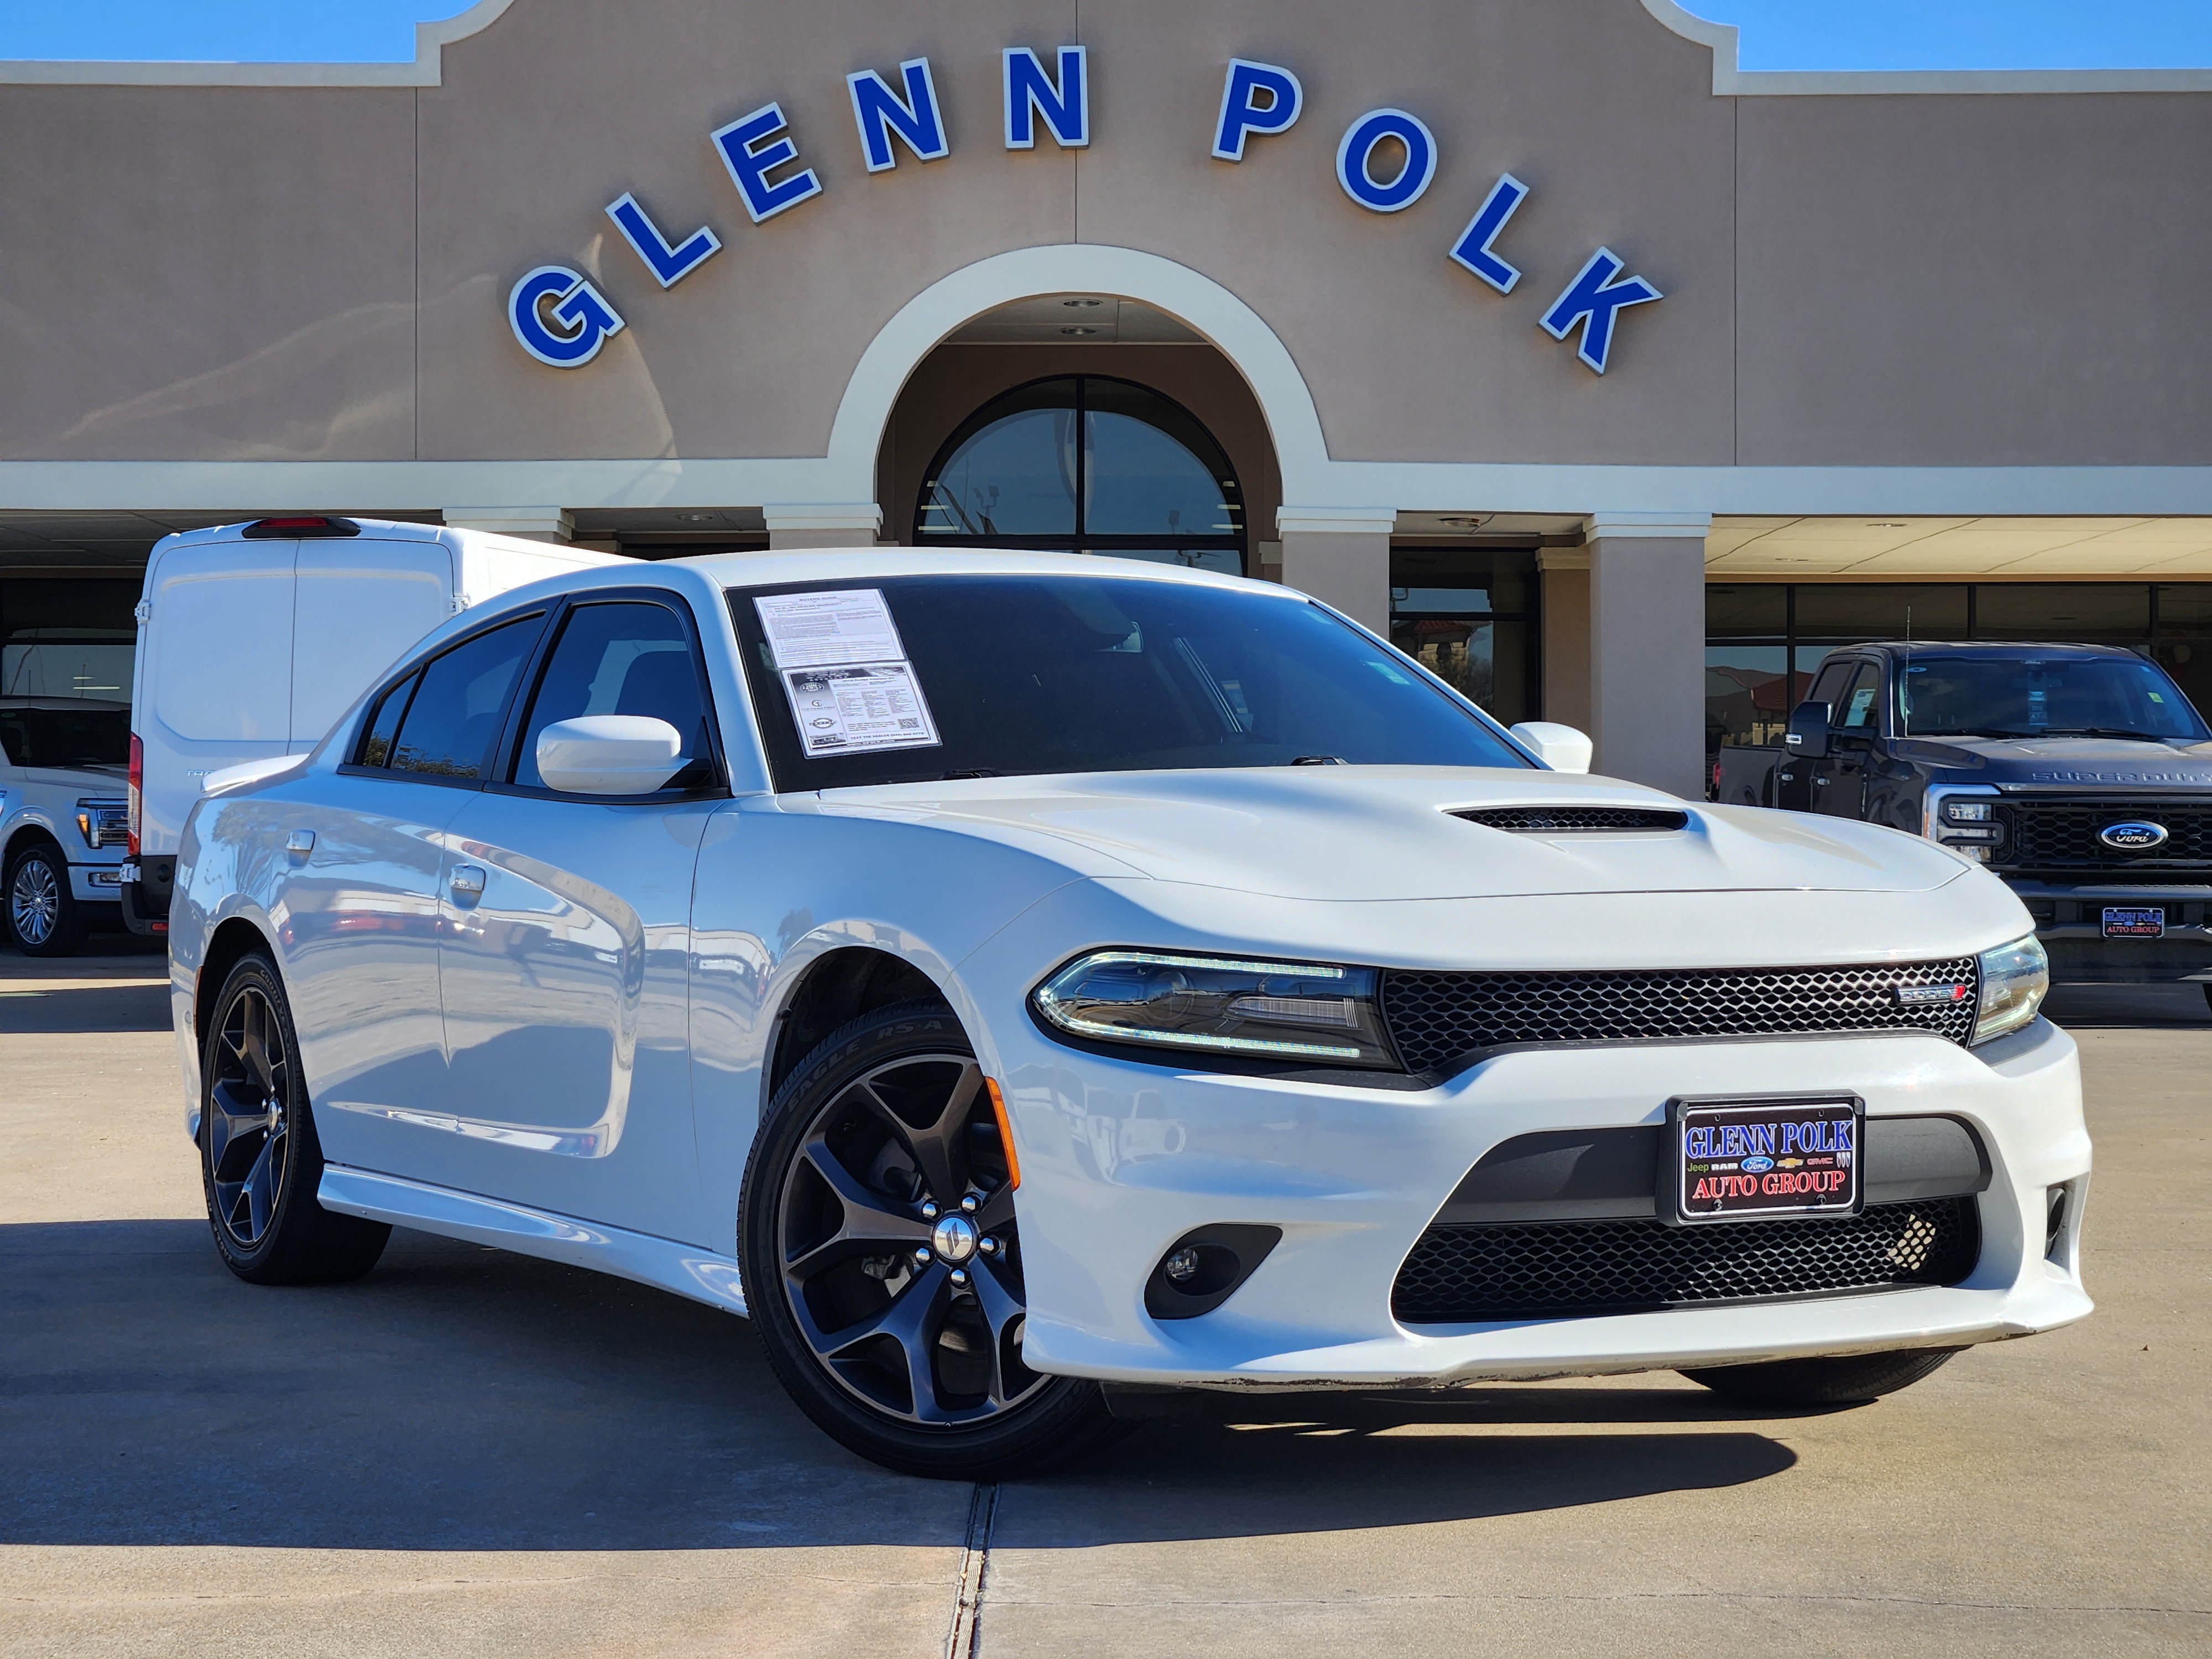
pixel 467 881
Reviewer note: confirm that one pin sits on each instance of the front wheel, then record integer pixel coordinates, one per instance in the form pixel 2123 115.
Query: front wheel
pixel 1844 1382
pixel 882 1260
pixel 43 916
pixel 260 1162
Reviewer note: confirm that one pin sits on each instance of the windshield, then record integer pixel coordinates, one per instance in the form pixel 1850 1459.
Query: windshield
pixel 915 678
pixel 2040 696
pixel 94 735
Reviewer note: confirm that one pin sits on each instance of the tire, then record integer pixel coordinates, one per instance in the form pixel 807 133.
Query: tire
pixel 864 1158
pixel 260 1162
pixel 1844 1381
pixel 44 917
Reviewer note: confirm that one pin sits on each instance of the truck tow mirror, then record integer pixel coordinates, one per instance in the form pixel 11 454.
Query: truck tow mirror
pixel 1808 729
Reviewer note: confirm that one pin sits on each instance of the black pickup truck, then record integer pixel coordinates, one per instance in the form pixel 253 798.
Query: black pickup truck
pixel 2080 773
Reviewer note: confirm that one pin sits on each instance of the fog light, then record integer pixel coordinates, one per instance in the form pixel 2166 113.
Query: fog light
pixel 1182 1265
pixel 1202 1269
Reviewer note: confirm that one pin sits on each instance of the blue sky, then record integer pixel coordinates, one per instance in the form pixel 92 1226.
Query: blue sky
pixel 1777 34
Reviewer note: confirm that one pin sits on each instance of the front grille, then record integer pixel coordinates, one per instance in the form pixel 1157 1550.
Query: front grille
pixel 1465 1275
pixel 2062 834
pixel 1574 820
pixel 1435 1018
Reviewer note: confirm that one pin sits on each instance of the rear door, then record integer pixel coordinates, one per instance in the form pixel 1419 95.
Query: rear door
pixel 215 687
pixel 361 910
pixel 359 605
pixel 564 957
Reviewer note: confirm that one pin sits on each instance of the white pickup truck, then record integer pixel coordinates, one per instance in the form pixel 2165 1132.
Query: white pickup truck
pixel 63 818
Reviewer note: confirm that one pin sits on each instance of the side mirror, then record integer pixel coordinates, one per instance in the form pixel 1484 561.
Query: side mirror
pixel 1559 747
pixel 1808 729
pixel 609 754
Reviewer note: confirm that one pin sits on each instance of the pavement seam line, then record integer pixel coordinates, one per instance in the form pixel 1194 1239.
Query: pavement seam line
pixel 964 1639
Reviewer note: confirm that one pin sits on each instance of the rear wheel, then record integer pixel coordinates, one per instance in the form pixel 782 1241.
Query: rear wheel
pixel 43 916
pixel 260 1162
pixel 1841 1381
pixel 882 1260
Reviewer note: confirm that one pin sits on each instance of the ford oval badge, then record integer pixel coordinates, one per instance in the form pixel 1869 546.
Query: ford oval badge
pixel 1758 1165
pixel 2133 836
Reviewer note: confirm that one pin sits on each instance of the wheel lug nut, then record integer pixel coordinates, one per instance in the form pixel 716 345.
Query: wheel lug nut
pixel 968 1205
pixel 929 1211
pixel 960 1276
pixel 989 1246
pixel 922 1257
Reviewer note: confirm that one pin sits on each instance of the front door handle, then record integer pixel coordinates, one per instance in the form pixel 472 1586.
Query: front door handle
pixel 467 881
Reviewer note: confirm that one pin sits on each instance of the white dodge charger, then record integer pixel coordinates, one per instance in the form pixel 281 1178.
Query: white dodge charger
pixel 1009 976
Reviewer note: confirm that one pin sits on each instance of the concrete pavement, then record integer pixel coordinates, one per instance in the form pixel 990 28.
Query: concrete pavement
pixel 470 1452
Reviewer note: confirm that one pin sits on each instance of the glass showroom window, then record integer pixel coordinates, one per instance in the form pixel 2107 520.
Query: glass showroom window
pixel 1764 640
pixel 1468 615
pixel 1086 465
pixel 67 637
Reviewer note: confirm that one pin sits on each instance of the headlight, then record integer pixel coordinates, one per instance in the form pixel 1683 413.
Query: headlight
pixel 1295 1011
pixel 2016 978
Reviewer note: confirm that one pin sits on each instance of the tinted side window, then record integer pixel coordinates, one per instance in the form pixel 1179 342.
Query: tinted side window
pixel 622 658
pixel 1860 710
pixel 1828 688
pixel 376 742
pixel 449 726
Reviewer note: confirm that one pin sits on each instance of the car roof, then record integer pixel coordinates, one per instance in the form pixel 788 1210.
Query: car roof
pixel 1999 648
pixel 777 567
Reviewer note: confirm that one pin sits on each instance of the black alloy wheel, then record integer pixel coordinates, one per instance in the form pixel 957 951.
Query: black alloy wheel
pixel 43 916
pixel 260 1161
pixel 882 1259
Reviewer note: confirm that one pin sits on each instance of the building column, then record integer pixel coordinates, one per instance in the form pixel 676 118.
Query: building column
pixel 823 524
pixel 1341 556
pixel 1566 573
pixel 1647 642
pixel 535 524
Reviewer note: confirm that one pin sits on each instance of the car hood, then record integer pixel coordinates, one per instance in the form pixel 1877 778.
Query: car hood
pixel 2116 761
pixel 1390 833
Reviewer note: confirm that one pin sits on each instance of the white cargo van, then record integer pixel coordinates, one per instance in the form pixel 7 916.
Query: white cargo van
pixel 254 638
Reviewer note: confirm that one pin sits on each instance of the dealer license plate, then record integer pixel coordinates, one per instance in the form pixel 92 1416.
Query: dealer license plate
pixel 1739 1160
pixel 2135 921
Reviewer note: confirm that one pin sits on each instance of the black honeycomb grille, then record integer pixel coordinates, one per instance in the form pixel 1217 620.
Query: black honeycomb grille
pixel 2062 834
pixel 1465 1275
pixel 1572 820
pixel 1435 1018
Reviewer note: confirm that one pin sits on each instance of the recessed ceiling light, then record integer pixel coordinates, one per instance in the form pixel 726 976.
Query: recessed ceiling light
pixel 1082 302
pixel 699 517
pixel 1079 331
pixel 1467 521
pixel 1899 525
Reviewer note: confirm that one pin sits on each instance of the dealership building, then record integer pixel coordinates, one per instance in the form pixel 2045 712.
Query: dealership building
pixel 1616 384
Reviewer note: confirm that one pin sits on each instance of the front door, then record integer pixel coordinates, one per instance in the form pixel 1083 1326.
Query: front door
pixel 566 946
pixel 1854 718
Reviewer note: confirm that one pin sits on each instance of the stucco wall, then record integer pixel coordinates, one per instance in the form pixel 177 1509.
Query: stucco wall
pixel 229 273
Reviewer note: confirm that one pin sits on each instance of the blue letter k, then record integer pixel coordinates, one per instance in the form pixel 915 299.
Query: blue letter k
pixel 1595 300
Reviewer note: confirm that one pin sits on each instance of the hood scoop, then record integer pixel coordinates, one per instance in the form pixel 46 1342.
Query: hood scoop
pixel 1577 820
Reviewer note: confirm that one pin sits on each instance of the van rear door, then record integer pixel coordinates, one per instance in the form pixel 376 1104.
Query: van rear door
pixel 361 602
pixel 215 686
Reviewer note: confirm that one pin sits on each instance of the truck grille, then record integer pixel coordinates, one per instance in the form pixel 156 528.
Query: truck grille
pixel 1435 1018
pixel 2062 834
pixel 1465 1275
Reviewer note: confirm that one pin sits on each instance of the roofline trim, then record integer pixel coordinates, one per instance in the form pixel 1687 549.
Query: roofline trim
pixel 427 69
pixel 1731 82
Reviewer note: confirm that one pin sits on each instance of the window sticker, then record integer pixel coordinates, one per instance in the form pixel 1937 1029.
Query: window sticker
pixel 844 669
pixel 1861 704
pixel 818 630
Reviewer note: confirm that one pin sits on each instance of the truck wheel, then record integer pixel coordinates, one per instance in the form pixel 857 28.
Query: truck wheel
pixel 260 1162
pixel 43 916
pixel 1844 1381
pixel 881 1253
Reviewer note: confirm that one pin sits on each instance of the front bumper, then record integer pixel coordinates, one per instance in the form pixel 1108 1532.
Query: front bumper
pixel 1120 1159
pixel 2069 921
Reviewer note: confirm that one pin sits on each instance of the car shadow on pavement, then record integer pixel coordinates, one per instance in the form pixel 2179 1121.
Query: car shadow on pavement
pixel 83 1010
pixel 465 1398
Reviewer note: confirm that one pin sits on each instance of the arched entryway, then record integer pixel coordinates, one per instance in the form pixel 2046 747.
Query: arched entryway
pixel 1086 463
pixel 1086 423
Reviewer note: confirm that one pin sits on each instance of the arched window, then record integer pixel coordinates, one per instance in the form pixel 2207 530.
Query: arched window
pixel 1087 465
